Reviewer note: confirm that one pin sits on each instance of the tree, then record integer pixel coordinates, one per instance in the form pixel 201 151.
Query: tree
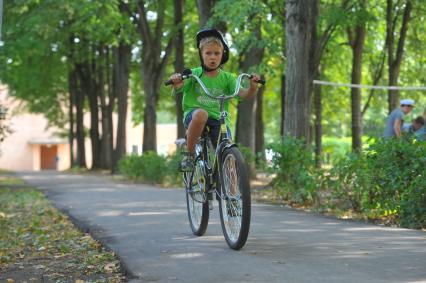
pixel 259 140
pixel 155 55
pixel 121 87
pixel 356 41
pixel 395 56
pixel 120 84
pixel 250 58
pixel 300 21
pixel 205 11
pixel 179 64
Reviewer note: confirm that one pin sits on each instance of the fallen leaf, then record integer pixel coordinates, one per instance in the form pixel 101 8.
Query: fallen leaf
pixel 110 267
pixel 10 280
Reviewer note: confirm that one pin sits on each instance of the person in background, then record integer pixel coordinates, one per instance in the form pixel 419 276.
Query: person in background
pixel 420 134
pixel 395 119
pixel 416 124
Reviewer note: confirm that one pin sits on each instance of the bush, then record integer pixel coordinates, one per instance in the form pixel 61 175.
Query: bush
pixel 174 176
pixel 297 176
pixel 413 204
pixel 398 180
pixel 386 181
pixel 335 149
pixel 148 167
pixel 250 160
pixel 152 168
pixel 348 181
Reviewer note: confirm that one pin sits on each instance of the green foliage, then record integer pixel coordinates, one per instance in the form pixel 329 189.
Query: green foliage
pixel 397 166
pixel 38 37
pixel 335 148
pixel 386 181
pixel 347 182
pixel 413 208
pixel 294 165
pixel 174 176
pixel 248 155
pixel 148 167
pixel 152 168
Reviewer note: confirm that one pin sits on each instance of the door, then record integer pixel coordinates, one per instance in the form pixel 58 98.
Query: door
pixel 48 157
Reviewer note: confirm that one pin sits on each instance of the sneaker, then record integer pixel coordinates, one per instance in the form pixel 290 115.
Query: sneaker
pixel 233 207
pixel 187 163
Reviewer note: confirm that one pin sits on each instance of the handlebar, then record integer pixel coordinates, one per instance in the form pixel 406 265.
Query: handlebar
pixel 187 73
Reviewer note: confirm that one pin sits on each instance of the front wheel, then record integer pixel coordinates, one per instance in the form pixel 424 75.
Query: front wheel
pixel 235 199
pixel 196 199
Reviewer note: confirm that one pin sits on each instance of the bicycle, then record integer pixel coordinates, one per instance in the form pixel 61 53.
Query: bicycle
pixel 219 172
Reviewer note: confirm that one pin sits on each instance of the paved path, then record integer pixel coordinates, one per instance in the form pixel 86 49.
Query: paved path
pixel 148 228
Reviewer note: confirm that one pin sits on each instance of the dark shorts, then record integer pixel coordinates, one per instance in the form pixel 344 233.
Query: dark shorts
pixel 213 124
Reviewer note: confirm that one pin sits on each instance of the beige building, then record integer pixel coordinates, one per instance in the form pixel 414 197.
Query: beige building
pixel 34 146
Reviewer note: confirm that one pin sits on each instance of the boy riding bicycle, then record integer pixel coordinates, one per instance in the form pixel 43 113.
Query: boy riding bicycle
pixel 199 109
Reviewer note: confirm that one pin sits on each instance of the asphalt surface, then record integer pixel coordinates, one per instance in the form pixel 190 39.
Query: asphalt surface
pixel 148 229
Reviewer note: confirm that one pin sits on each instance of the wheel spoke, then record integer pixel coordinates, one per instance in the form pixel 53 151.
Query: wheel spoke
pixel 196 199
pixel 232 205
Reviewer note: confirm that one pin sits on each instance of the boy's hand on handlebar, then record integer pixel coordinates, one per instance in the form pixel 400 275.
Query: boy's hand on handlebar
pixel 176 80
pixel 255 79
pixel 252 90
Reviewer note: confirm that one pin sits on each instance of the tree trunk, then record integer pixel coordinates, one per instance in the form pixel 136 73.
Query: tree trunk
pixel 394 60
pixel 106 122
pixel 154 61
pixel 152 73
pixel 282 105
pixel 205 11
pixel 72 89
pixel 179 64
pixel 318 125
pixel 86 77
pixel 121 71
pixel 150 115
pixel 357 44
pixel 283 44
pixel 245 131
pixel 79 104
pixel 300 20
pixel 259 128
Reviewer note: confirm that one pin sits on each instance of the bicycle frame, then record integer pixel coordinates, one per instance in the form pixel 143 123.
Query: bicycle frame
pixel 224 141
pixel 221 172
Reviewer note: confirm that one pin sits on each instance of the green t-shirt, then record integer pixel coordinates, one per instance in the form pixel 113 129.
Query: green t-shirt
pixel 195 98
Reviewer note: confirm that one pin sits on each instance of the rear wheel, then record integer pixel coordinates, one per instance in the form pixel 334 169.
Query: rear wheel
pixel 196 199
pixel 235 198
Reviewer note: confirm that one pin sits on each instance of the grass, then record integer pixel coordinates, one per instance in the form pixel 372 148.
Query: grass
pixel 38 242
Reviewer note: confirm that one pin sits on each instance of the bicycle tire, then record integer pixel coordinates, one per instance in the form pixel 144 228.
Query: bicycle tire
pixel 234 207
pixel 196 200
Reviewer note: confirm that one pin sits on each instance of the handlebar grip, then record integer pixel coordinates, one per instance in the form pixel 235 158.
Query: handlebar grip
pixel 261 81
pixel 185 74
